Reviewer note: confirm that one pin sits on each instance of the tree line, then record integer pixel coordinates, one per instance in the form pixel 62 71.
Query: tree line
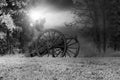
pixel 100 20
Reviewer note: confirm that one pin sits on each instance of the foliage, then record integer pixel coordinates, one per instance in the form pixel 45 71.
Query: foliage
pixel 113 17
pixel 3 46
pixel 10 41
pixel 9 8
pixel 99 20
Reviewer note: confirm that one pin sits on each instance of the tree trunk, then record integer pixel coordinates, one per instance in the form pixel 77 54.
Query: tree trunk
pixel 104 26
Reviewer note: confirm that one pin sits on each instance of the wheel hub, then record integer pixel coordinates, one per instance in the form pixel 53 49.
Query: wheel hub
pixel 49 45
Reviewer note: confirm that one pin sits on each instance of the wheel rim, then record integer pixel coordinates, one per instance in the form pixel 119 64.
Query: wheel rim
pixel 53 43
pixel 72 47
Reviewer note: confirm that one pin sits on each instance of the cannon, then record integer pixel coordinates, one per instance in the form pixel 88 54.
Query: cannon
pixel 55 43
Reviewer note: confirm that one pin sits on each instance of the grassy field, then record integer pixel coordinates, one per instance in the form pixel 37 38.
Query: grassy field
pixel 44 68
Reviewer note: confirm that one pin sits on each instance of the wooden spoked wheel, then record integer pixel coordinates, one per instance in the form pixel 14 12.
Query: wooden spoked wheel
pixel 72 48
pixel 51 42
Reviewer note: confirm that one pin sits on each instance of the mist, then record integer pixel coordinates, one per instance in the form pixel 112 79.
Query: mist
pixel 57 4
pixel 56 12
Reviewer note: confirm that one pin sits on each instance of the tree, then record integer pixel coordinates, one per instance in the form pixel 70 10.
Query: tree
pixel 8 10
pixel 87 12
pixel 113 17
pixel 95 22
pixel 104 16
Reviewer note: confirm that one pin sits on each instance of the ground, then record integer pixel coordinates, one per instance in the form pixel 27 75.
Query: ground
pixel 37 68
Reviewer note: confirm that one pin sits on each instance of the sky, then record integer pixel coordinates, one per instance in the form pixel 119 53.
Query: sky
pixel 55 12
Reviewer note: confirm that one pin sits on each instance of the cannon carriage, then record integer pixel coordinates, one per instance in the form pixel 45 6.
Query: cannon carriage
pixel 52 42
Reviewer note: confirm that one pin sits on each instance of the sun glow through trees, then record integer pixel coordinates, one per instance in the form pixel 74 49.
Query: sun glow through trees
pixel 53 18
pixel 36 14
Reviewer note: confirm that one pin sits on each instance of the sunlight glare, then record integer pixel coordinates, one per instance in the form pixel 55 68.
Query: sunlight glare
pixel 36 15
pixel 52 18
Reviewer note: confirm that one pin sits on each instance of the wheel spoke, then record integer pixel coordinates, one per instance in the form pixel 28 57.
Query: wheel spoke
pixel 72 44
pixel 56 39
pixel 41 41
pixel 48 52
pixel 57 52
pixel 49 35
pixel 72 47
pixel 53 34
pixel 45 37
pixel 59 46
pixel 69 41
pixel 61 52
pixel 53 52
pixel 71 51
pixel 68 54
pixel 44 53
